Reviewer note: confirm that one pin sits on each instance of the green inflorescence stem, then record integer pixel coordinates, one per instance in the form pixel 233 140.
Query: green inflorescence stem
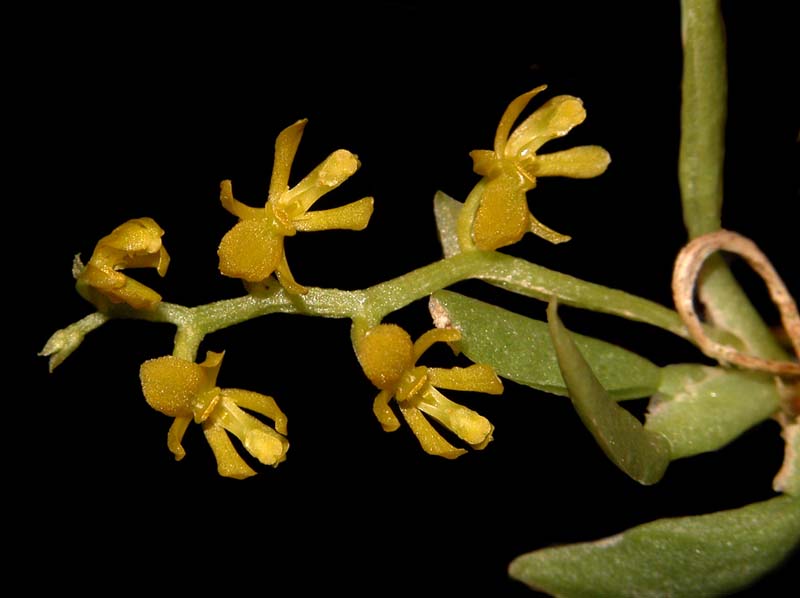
pixel 369 306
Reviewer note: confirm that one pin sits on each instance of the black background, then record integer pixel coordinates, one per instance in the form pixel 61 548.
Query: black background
pixel 142 112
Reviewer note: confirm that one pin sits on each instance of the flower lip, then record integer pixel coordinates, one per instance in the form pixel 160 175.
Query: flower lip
pixel 134 244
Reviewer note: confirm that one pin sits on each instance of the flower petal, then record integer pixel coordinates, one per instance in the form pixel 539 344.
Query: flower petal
pixel 285 149
pixel 234 206
pixel 478 377
pixel 211 366
pixel 286 278
pixel 229 463
pixel 175 436
pixel 139 236
pixel 510 117
pixel 102 278
pixel 465 423
pixel 251 250
pixel 486 163
pixel 328 175
pixel 384 413
pixel 158 259
pixel 353 216
pixel 555 118
pixel 546 233
pixel 113 286
pixel 261 441
pixel 429 438
pixel 435 335
pixel 582 162
pixel 258 403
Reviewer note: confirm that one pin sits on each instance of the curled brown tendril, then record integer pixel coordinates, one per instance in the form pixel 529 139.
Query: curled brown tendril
pixel 684 279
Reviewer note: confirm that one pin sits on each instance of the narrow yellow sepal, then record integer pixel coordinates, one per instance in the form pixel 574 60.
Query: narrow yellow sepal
pixel 582 162
pixel 352 216
pixel 431 441
pixel 229 463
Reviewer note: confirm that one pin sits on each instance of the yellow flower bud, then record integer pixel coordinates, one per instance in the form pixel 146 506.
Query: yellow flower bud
pixel 134 244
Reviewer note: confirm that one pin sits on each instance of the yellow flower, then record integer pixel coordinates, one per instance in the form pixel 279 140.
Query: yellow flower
pixel 388 358
pixel 134 244
pixel 254 249
pixel 188 391
pixel 512 168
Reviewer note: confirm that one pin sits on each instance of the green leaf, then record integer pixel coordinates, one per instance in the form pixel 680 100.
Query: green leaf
pixel 520 349
pixel 700 408
pixel 642 454
pixel 704 555
pixel 446 210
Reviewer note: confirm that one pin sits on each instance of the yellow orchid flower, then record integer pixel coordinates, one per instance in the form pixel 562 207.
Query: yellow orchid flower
pixel 134 244
pixel 254 249
pixel 187 391
pixel 388 358
pixel 511 169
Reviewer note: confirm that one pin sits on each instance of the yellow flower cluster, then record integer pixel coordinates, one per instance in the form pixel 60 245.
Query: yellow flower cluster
pixel 389 359
pixel 188 392
pixel 254 248
pixel 134 244
pixel 511 169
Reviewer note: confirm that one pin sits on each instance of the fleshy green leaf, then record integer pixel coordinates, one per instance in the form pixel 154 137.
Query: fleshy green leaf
pixel 642 454
pixel 704 555
pixel 445 210
pixel 700 408
pixel 520 349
